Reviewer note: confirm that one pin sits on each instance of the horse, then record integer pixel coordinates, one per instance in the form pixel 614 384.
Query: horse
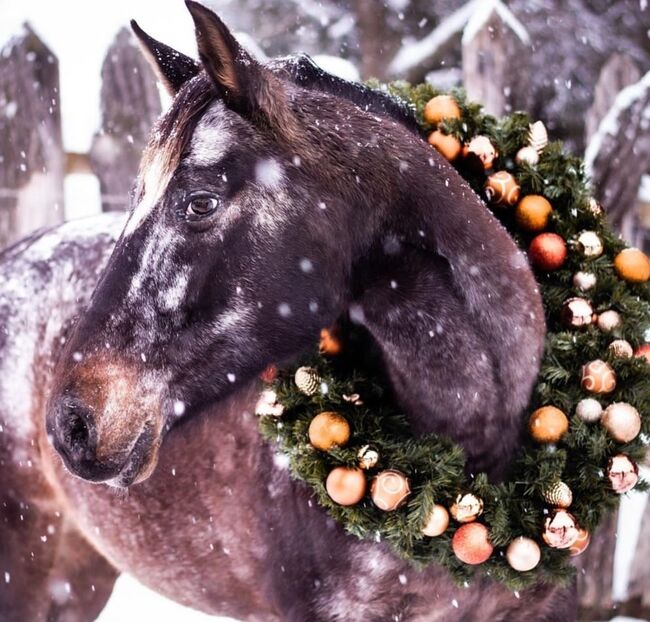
pixel 272 200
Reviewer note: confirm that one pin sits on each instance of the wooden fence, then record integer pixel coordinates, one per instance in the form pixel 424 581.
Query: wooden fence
pixel 33 165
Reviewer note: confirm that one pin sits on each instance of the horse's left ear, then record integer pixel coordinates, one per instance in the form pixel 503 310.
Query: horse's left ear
pixel 242 83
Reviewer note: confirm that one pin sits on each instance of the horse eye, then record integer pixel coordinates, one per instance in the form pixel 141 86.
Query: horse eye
pixel 201 206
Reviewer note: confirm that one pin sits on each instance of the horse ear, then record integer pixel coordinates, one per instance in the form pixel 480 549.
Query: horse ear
pixel 238 77
pixel 172 68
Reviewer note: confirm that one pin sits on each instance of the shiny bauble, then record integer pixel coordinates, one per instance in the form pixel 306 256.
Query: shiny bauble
pixel 584 281
pixel 471 543
pixel 440 108
pixel 346 485
pixel 368 457
pixel 448 146
pixel 523 554
pixel 608 321
pixel 589 410
pixel 632 265
pixel 307 380
pixel 502 189
pixel 527 155
pixel 623 473
pixel 467 508
pixel 547 251
pixel 533 212
pixel 389 490
pixel 598 377
pixel 560 530
pixel 558 495
pixel 328 430
pixel 589 244
pixel 622 421
pixel 581 543
pixel 548 424
pixel 483 149
pixel 576 313
pixel 621 349
pixel 437 522
pixel 330 342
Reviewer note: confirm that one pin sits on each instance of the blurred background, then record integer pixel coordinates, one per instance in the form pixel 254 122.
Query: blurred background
pixel 77 102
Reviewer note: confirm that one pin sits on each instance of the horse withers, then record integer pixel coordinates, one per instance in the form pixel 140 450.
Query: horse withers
pixel 272 200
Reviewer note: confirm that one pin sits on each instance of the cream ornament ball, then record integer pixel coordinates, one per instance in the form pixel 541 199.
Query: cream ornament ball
pixel 527 155
pixel 609 321
pixel 589 410
pixel 437 522
pixel 576 313
pixel 622 421
pixel 590 244
pixel 621 349
pixel 523 554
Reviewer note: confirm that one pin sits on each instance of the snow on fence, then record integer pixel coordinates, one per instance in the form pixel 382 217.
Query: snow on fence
pixel 33 165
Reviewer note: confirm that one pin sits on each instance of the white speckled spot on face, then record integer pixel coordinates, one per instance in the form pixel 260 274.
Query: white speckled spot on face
pixel 211 137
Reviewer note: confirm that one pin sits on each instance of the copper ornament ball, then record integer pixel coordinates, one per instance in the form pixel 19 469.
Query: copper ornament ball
pixel 389 490
pixel 439 108
pixel 502 189
pixel 346 485
pixel 632 265
pixel 328 430
pixel 598 377
pixel 533 213
pixel 548 424
pixel 448 146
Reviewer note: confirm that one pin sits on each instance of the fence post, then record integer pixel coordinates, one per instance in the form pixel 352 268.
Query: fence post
pixel 130 103
pixel 31 149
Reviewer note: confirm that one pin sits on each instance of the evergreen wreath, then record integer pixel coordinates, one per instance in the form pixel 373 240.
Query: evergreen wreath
pixel 589 420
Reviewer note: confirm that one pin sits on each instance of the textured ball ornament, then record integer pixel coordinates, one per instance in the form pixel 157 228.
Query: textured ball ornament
pixel 439 108
pixel 547 251
pixel 576 312
pixel 471 543
pixel 467 508
pixel 632 265
pixel 548 424
pixel 389 490
pixel 559 495
pixel 330 342
pixel 560 530
pixel 533 212
pixel 622 421
pixel 608 321
pixel 527 155
pixel 268 405
pixel 590 244
pixel 437 522
pixel 368 457
pixel 584 281
pixel 523 554
pixel 483 149
pixel 307 380
pixel 537 136
pixel 581 543
pixel 328 430
pixel 598 377
pixel 623 473
pixel 502 189
pixel 643 351
pixel 448 146
pixel 345 485
pixel 621 349
pixel 589 410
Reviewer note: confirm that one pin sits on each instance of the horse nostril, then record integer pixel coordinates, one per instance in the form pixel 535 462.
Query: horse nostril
pixel 75 436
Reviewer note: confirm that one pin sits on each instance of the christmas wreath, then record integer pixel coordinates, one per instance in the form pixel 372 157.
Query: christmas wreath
pixel 334 418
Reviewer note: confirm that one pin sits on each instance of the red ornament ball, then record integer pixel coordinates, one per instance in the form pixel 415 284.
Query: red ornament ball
pixel 471 543
pixel 643 351
pixel 547 251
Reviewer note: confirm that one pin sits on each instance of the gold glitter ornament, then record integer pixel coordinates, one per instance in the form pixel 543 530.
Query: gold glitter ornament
pixel 558 495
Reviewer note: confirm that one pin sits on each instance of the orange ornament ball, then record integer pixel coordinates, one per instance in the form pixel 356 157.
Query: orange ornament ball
pixel 632 265
pixel 448 146
pixel 548 424
pixel 581 544
pixel 532 213
pixel 502 189
pixel 440 108
pixel 598 377
pixel 327 430
pixel 346 485
pixel 471 543
pixel 330 342
pixel 547 251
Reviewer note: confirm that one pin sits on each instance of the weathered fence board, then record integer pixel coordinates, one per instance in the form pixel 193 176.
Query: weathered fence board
pixel 130 104
pixel 31 150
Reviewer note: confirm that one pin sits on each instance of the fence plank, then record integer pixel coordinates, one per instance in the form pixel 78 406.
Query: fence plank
pixel 31 150
pixel 130 104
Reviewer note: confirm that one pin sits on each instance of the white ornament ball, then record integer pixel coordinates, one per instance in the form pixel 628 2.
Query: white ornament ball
pixel 589 410
pixel 609 320
pixel 584 281
pixel 527 155
pixel 621 349
pixel 590 244
pixel 523 554
pixel 622 421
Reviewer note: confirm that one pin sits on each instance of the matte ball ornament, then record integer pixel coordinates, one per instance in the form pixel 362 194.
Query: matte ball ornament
pixel 589 410
pixel 584 281
pixel 598 377
pixel 532 213
pixel 576 312
pixel 268 405
pixel 389 490
pixel 502 189
pixel 644 351
pixel 330 342
pixel 440 108
pixel 558 495
pixel 448 146
pixel 547 251
pixel 548 424
pixel 527 155
pixel 523 554
pixel 622 421
pixel 589 244
pixel 471 543
pixel 560 530
pixel 623 473
pixel 307 380
pixel 621 349
pixel 467 508
pixel 346 485
pixel 581 543
pixel 328 430
pixel 608 321
pixel 483 149
pixel 437 522
pixel 632 265
pixel 368 457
